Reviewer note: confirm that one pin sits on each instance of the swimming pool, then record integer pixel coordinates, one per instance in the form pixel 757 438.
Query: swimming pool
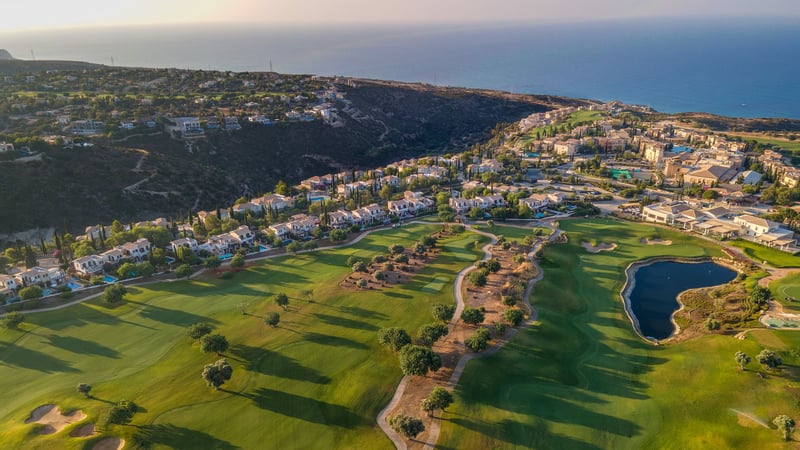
pixel 261 248
pixel 74 286
pixel 681 149
pixel 226 256
pixel 109 279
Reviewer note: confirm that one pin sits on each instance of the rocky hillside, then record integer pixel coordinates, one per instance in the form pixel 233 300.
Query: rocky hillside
pixel 152 175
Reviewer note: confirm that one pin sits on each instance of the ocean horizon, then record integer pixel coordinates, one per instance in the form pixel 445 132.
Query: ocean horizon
pixel 739 68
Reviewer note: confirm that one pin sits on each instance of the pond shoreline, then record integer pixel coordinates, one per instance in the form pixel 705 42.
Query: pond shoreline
pixel 630 284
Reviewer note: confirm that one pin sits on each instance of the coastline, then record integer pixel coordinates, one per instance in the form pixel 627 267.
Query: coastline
pixel 630 284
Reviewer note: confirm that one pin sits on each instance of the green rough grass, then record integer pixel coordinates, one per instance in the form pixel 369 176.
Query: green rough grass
pixel 773 257
pixel 512 233
pixel 317 381
pixel 581 379
pixel 788 286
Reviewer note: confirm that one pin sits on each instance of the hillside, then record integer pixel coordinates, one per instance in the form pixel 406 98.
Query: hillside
pixel 150 175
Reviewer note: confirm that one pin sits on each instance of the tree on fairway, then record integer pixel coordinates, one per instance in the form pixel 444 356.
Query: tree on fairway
pixel 418 360
pixel 114 293
pixel 785 425
pixel 742 359
pixel 432 332
pixel 272 319
pixel 439 398
pixel 84 389
pixel 769 359
pixel 282 300
pixel 394 338
pixel 472 316
pixel 214 343
pixel 218 373
pixel 198 330
pixel 396 249
pixel 514 316
pixel 183 271
pixel 237 262
pixel 13 319
pixel 443 312
pixel 408 426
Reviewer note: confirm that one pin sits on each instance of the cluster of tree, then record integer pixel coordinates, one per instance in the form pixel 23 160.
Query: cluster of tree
pixel 122 412
pixel 767 358
pixel 414 359
pixel 12 319
pixel 114 294
pixel 479 341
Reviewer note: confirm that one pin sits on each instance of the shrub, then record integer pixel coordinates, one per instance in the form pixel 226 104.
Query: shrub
pixel 362 284
pixel 378 259
pixel 443 312
pixel 359 267
pixel 477 278
pixel 478 341
pixel 514 316
pixel 472 316
pixel 338 235
pixel 401 259
pixel 227 275
pixel 13 319
pixel 352 260
pixel 407 426
pixel 394 338
pixel 31 292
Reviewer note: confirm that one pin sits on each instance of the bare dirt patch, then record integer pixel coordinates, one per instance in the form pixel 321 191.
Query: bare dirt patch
pixel 601 247
pixel 451 348
pixel 83 431
pixel 109 444
pixel 392 269
pixel 53 420
pixel 656 241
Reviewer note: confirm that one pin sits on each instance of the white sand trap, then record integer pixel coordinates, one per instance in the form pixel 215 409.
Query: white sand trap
pixel 656 241
pixel 110 444
pixel 50 416
pixel 602 247
pixel 83 431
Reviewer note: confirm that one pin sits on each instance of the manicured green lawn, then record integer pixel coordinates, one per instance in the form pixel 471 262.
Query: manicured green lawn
pixel 786 287
pixel 316 381
pixel 512 233
pixel 773 257
pixel 581 379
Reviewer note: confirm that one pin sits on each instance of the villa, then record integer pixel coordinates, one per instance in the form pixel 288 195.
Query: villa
pixel 88 266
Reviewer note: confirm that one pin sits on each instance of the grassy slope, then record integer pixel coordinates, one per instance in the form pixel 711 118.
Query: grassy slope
pixel 773 257
pixel 316 381
pixel 788 286
pixel 581 378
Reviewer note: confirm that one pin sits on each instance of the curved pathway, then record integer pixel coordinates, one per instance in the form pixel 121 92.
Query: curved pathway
pixel 435 425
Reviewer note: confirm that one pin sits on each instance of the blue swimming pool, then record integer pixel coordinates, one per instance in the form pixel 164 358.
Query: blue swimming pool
pixel 74 286
pixel 261 248
pixel 226 256
pixel 109 279
pixel 681 149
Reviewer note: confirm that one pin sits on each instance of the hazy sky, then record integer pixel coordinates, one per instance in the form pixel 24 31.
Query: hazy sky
pixel 32 14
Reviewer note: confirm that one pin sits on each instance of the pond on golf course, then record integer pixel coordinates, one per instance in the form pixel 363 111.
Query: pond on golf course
pixel 654 297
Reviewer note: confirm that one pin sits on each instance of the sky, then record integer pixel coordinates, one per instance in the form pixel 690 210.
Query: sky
pixel 48 14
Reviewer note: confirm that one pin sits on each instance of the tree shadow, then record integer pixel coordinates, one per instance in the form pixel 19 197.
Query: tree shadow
pixel 16 356
pixel 395 294
pixel 272 363
pixel 171 316
pixel 365 313
pixel 306 409
pixel 173 436
pixel 335 341
pixel 524 435
pixel 81 346
pixel 345 322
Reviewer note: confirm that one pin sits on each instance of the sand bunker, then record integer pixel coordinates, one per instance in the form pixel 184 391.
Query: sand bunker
pixel 110 444
pixel 656 241
pixel 602 247
pixel 83 431
pixel 50 416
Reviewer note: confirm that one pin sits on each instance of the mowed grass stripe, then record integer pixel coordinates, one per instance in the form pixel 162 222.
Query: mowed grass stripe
pixel 581 379
pixel 317 381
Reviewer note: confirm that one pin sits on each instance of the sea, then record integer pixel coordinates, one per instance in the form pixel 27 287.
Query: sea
pixel 743 67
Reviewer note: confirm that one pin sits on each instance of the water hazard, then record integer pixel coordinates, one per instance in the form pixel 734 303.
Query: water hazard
pixel 654 296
